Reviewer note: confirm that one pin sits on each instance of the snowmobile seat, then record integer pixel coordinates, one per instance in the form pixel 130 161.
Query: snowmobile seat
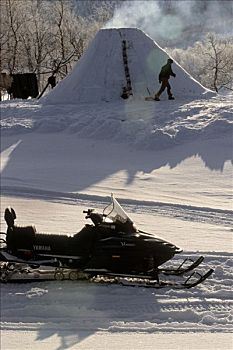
pixel 20 237
pixel 84 239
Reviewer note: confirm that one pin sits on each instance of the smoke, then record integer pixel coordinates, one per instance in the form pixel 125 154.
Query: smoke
pixel 173 22
pixel 149 16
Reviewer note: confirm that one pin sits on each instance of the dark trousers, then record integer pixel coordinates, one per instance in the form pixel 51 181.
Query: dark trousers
pixel 165 84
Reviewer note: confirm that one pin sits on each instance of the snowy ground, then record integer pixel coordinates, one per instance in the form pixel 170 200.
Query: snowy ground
pixel 166 151
pixel 170 166
pixel 49 178
pixel 78 315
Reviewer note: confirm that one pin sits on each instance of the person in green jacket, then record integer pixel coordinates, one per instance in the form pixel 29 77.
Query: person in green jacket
pixel 164 75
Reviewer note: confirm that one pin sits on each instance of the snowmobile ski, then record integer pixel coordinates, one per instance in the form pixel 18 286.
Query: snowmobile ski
pixel 192 281
pixel 181 270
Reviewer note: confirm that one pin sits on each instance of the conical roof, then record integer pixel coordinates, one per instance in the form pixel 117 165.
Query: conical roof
pixel 120 60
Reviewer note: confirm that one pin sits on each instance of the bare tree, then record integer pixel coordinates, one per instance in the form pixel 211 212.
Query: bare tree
pixel 13 21
pixel 221 61
pixel 68 29
pixel 33 40
pixel 210 61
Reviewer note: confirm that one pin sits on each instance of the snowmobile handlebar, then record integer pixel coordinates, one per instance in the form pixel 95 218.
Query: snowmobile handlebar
pixel 90 211
pixel 95 217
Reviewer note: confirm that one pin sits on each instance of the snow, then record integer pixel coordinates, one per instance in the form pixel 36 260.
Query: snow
pixel 170 165
pixel 146 142
pixel 99 75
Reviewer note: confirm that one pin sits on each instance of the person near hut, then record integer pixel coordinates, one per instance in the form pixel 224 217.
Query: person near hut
pixel 164 76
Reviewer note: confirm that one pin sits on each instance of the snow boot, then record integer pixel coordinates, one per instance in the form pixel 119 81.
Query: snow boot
pixel 171 98
pixel 157 98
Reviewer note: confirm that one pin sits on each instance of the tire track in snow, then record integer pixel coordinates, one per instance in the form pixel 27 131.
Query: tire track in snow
pixel 91 307
pixel 180 211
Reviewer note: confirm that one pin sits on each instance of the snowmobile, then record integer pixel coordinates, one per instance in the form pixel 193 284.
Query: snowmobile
pixel 111 246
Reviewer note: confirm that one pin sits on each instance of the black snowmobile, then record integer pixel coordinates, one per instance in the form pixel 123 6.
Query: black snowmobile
pixel 110 247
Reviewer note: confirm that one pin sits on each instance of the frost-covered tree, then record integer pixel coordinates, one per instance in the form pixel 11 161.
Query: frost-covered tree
pixel 219 53
pixel 12 19
pixel 45 37
pixel 66 36
pixel 35 46
pixel 210 61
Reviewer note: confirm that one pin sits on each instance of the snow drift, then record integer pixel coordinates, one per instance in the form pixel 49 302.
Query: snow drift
pixel 115 59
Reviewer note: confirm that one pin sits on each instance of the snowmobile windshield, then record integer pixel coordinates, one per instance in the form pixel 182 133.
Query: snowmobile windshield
pixel 115 212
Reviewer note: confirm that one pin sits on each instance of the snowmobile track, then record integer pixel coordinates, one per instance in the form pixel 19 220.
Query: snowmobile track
pixel 24 275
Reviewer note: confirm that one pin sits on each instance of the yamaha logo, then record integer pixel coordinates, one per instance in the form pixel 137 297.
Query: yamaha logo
pixel 41 247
